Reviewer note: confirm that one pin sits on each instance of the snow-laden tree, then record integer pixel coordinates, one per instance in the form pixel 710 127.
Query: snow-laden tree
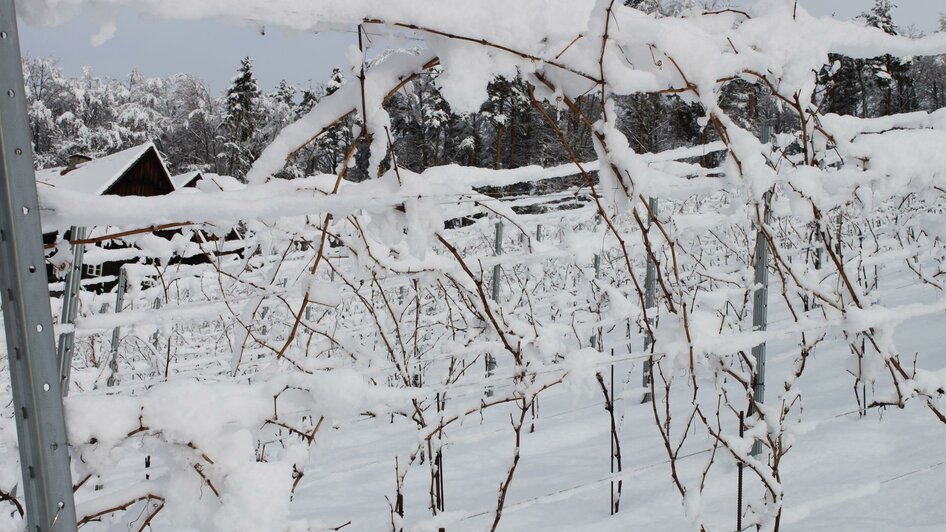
pixel 891 74
pixel 242 119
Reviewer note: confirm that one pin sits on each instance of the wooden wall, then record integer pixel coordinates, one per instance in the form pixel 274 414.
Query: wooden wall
pixel 147 177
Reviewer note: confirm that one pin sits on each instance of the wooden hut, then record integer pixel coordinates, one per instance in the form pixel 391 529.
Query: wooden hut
pixel 187 180
pixel 137 171
pixel 212 245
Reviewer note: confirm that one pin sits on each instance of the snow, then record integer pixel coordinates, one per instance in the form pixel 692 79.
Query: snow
pixel 334 107
pixel 305 386
pixel 182 180
pixel 96 176
pixel 219 199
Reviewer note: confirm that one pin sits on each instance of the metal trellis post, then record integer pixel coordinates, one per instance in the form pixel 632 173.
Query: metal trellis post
pixel 760 299
pixel 70 307
pixel 34 368
pixel 497 272
pixel 113 362
pixel 156 337
pixel 650 293
pixel 597 340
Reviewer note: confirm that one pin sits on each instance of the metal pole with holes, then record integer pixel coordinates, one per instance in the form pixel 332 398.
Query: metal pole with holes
pixel 497 273
pixel 497 270
pixel 113 362
pixel 650 293
pixel 597 340
pixel 760 299
pixel 34 368
pixel 70 307
pixel 156 337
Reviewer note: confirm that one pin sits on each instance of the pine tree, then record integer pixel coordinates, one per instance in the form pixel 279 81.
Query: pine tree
pixel 877 86
pixel 285 93
pixel 335 81
pixel 276 111
pixel 890 74
pixel 307 102
pixel 647 6
pixel 242 118
pixel 841 85
pixel 324 155
pixel 509 111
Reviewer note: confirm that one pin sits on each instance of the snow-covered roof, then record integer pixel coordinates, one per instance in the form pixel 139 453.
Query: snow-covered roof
pixel 182 180
pixel 96 176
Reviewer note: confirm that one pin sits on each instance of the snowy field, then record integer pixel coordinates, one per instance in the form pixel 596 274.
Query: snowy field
pixel 844 471
pixel 426 347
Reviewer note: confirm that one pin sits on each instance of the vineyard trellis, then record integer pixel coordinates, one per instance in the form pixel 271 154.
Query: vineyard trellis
pixel 369 303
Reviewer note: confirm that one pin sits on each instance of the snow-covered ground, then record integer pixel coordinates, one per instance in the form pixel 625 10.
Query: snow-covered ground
pixel 880 472
pixel 309 382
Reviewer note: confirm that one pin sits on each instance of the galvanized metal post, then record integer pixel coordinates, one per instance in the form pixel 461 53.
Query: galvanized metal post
pixel 760 299
pixel 70 307
pixel 34 368
pixel 497 273
pixel 497 270
pixel 538 233
pixel 819 250
pixel 597 339
pixel 156 337
pixel 113 362
pixel 650 294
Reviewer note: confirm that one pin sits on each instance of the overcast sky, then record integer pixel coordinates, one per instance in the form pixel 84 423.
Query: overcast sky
pixel 212 50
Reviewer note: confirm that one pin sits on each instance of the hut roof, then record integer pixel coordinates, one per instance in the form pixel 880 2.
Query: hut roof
pixel 187 179
pixel 98 175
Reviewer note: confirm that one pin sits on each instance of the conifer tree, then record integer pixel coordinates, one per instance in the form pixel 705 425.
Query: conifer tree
pixel 243 110
pixel 285 93
pixel 841 80
pixel 890 74
pixel 335 81
pixel 647 6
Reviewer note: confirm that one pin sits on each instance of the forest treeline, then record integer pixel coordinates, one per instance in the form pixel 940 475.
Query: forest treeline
pixel 198 130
